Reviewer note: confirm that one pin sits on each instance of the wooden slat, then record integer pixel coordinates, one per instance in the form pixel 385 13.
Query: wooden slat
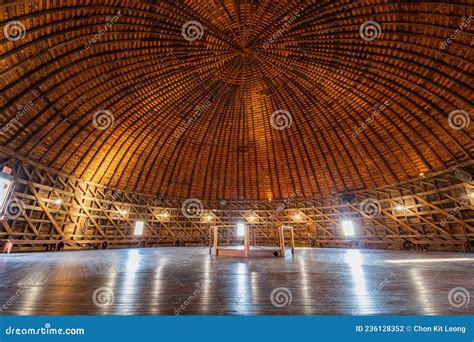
pixel 358 110
pixel 45 209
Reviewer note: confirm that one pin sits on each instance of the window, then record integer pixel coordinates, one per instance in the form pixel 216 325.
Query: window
pixel 240 229
pixel 348 228
pixel 5 187
pixel 138 228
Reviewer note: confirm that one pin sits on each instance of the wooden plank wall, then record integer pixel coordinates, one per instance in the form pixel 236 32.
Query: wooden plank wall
pixel 437 214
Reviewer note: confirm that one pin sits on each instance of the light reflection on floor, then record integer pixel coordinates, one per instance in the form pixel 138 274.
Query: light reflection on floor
pixel 156 281
pixel 355 262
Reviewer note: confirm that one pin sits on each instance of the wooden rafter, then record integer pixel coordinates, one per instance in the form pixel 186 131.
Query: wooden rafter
pixel 231 80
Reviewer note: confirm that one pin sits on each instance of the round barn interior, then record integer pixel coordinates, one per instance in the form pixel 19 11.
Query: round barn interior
pixel 147 124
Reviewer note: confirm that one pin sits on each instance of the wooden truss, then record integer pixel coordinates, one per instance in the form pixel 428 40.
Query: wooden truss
pixel 435 212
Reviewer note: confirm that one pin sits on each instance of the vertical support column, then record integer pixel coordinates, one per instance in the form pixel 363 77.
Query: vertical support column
pixel 292 241
pixel 246 240
pixel 282 240
pixel 215 239
pixel 210 240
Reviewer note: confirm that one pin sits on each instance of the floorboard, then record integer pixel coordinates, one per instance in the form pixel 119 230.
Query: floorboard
pixel 188 281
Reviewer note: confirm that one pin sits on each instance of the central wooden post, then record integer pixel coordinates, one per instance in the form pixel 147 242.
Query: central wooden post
pixel 252 234
pixel 282 240
pixel 210 240
pixel 216 236
pixel 246 240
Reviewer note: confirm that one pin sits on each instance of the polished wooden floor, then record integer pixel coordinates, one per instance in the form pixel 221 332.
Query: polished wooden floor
pixel 188 281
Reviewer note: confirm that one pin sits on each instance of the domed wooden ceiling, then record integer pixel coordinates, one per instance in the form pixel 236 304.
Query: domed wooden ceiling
pixel 238 99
